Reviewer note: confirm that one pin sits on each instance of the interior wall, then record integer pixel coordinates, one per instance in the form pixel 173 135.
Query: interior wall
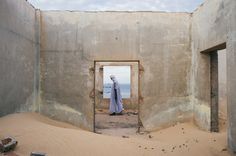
pixel 213 23
pixel 208 30
pixel 222 87
pixel 231 73
pixel 18 56
pixel 71 41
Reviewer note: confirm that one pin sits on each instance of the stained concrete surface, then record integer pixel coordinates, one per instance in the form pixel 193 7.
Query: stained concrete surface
pixel 71 41
pixel 17 57
pixel 222 89
pixel 213 23
pixel 231 74
pixel 208 30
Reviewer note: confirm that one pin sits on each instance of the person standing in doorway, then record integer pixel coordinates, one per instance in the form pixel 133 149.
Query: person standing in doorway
pixel 116 105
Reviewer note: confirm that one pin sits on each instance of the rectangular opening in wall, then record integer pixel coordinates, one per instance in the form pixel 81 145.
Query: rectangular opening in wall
pixel 218 91
pixel 122 75
pixel 116 101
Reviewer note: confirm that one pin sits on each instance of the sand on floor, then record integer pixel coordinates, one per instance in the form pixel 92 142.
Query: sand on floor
pixel 35 132
pixel 118 125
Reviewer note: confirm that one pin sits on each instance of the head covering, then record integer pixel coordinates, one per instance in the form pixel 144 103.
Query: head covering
pixel 113 78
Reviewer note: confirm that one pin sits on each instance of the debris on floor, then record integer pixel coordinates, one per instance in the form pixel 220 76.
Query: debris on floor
pixel 124 136
pixel 7 144
pixel 38 154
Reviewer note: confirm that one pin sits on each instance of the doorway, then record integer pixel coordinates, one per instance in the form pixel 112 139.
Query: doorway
pixel 218 90
pixel 127 74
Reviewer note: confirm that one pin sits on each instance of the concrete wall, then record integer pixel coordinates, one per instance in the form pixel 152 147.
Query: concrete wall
pixel 208 30
pixel 222 86
pixel 71 41
pixel 18 56
pixel 231 73
pixel 213 23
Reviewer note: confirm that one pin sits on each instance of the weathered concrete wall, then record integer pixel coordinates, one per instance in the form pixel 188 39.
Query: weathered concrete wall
pixel 231 72
pixel 71 41
pixel 17 56
pixel 213 23
pixel 222 86
pixel 208 30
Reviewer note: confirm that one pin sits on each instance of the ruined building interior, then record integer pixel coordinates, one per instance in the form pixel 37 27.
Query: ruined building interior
pixel 52 62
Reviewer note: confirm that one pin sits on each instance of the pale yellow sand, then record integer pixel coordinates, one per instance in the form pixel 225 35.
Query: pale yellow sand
pixel 38 133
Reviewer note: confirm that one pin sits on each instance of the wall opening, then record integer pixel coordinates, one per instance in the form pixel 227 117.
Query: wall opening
pixel 218 90
pixel 127 75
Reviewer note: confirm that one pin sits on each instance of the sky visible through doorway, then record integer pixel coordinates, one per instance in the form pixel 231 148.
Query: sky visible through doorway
pixel 122 74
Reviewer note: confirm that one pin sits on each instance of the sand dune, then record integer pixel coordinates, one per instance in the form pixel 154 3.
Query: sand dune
pixel 38 133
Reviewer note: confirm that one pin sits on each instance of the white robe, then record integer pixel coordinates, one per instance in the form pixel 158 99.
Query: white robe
pixel 115 106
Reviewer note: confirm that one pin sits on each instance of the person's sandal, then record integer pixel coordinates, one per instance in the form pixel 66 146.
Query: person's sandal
pixel 112 114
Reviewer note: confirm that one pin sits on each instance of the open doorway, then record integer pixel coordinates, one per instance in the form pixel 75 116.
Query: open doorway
pixel 127 75
pixel 218 91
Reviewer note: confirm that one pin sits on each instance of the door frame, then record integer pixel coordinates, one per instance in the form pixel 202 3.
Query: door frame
pixel 213 80
pixel 140 68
